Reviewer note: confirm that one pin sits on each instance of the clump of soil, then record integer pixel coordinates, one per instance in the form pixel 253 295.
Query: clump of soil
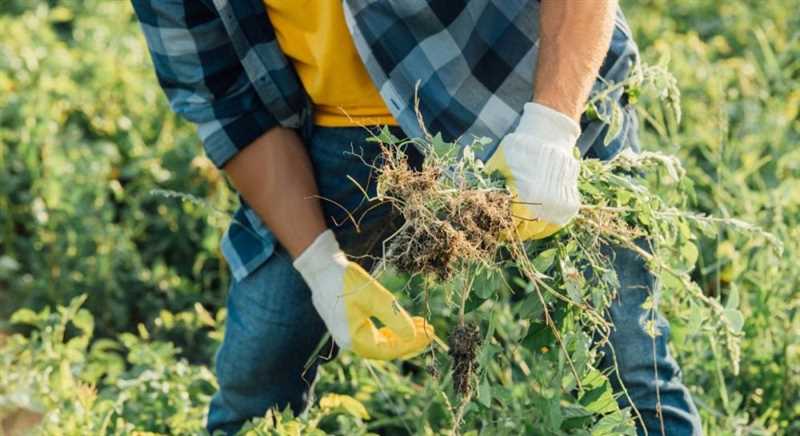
pixel 446 222
pixel 482 216
pixel 433 248
pixel 464 342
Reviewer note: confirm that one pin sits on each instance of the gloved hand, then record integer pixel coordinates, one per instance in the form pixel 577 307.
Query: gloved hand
pixel 346 297
pixel 541 171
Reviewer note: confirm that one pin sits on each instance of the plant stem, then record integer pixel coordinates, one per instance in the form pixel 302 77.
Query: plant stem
pixel 465 295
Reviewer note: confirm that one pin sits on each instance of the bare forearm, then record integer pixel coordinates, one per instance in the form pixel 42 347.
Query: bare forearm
pixel 575 35
pixel 275 176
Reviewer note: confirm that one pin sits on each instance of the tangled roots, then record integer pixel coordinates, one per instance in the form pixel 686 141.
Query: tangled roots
pixel 445 222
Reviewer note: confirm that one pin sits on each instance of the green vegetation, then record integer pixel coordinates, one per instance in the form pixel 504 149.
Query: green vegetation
pixel 119 294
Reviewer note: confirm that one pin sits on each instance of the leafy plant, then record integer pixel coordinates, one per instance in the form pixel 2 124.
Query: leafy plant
pixel 85 137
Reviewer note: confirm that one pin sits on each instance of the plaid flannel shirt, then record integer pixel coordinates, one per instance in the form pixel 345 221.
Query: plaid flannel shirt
pixel 471 62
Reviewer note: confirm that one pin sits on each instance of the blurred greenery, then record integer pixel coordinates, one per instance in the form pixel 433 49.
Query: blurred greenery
pixel 86 134
pixel 738 65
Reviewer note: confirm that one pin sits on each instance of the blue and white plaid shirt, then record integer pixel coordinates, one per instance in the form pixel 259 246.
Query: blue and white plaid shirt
pixel 473 62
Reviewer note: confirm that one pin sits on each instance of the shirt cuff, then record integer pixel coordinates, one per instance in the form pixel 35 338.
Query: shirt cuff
pixel 224 139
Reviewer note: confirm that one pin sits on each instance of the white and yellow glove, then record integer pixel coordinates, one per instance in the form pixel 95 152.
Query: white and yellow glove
pixel 346 297
pixel 541 171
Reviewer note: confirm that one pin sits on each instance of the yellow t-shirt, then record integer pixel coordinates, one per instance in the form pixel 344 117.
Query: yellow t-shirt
pixel 314 36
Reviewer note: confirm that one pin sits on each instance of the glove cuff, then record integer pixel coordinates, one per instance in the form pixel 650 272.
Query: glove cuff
pixel 548 125
pixel 319 255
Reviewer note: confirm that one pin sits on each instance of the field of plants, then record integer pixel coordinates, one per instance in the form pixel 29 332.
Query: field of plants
pixel 112 285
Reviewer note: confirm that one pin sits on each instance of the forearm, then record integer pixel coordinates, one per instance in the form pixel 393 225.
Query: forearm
pixel 575 35
pixel 275 177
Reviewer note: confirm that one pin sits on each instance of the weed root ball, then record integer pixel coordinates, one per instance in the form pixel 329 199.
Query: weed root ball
pixel 464 342
pixel 446 222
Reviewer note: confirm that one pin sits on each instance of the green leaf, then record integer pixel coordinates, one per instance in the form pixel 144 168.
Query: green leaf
pixel 203 315
pixel 335 403
pixel 614 424
pixel 651 328
pixel 61 14
pixel 143 333
pixel 485 393
pixel 574 291
pixel 581 355
pixel 735 319
pixel 573 281
pixel 615 122
pixel 733 298
pixel 440 146
pixel 649 303
pixel 530 307
pixel 668 281
pixel 611 278
pixel 25 316
pixel 623 197
pixel 695 321
pixel 600 400
pixel 553 416
pixel 539 338
pixel 385 136
pixel 84 321
pixel 7 265
pixel 488 353
pixel 485 285
pixel 545 260
pixel 690 253
pixel 575 416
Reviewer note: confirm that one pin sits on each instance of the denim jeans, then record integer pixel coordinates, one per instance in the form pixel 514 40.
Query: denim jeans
pixel 272 327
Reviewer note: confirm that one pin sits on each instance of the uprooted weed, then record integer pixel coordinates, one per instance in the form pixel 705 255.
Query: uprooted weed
pixel 458 224
pixel 449 220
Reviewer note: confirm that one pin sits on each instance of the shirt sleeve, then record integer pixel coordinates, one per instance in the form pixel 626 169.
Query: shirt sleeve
pixel 202 76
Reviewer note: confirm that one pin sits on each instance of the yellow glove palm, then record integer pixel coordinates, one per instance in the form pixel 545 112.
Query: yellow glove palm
pixel 347 298
pixel 401 336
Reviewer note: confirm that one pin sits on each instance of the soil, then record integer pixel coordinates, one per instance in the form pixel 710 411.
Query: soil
pixel 445 226
pixel 464 342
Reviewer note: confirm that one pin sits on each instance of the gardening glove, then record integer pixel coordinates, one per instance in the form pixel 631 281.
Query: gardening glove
pixel 346 297
pixel 540 170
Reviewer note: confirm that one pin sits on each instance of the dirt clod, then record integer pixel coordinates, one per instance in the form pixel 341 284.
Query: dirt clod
pixel 464 342
pixel 446 223
pixel 482 216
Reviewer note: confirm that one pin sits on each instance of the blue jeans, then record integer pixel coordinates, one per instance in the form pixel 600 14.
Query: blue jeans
pixel 272 327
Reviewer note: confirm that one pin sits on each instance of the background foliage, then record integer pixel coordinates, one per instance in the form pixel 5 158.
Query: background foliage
pixel 85 135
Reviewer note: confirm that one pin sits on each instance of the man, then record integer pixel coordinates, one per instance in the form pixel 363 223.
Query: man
pixel 278 88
